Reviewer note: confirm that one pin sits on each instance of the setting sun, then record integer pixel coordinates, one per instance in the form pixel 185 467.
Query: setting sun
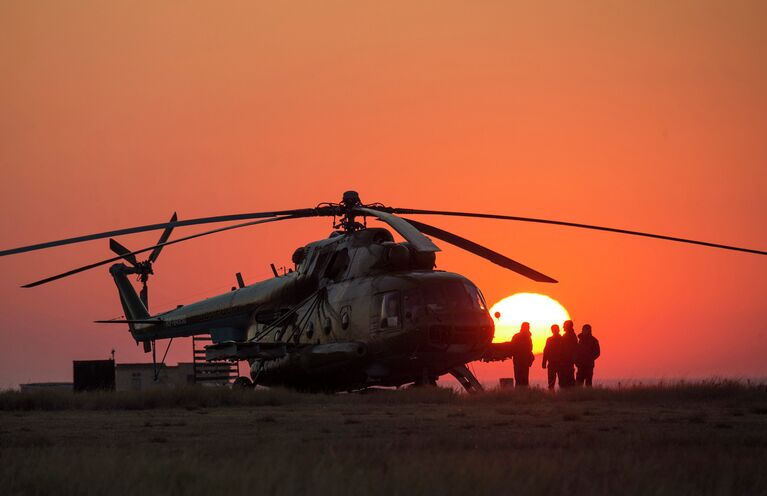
pixel 539 310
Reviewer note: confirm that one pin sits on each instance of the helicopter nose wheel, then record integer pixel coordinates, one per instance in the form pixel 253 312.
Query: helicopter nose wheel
pixel 242 383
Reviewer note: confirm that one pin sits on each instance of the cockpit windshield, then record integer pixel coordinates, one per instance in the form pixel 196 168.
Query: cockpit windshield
pixel 448 295
pixel 478 301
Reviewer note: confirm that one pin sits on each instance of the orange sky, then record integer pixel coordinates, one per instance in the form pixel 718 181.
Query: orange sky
pixel 647 116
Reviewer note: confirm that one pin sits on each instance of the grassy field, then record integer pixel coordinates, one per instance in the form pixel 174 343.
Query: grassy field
pixel 696 439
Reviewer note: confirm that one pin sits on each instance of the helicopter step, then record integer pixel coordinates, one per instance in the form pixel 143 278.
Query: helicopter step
pixel 466 378
pixel 207 371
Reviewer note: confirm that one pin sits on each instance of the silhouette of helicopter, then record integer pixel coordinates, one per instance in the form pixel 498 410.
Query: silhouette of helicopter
pixel 357 310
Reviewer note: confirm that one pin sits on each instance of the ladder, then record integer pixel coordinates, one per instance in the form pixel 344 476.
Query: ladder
pixel 219 372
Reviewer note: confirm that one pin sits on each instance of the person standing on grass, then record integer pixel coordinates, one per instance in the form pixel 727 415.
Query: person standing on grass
pixel 522 353
pixel 569 343
pixel 552 356
pixel 585 355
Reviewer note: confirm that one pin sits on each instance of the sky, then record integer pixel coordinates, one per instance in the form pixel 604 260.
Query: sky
pixel 640 115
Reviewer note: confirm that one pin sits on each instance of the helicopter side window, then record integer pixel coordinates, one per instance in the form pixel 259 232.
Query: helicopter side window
pixel 390 310
pixel 413 304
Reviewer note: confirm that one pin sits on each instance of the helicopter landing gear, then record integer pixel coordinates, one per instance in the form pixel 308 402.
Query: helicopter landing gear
pixel 467 379
pixel 426 379
pixel 242 383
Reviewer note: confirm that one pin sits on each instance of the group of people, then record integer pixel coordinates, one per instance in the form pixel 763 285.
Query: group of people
pixel 562 354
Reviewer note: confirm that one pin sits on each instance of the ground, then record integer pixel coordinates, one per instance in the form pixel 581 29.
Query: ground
pixel 682 439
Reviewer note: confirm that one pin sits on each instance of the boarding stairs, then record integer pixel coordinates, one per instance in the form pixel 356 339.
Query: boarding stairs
pixel 219 372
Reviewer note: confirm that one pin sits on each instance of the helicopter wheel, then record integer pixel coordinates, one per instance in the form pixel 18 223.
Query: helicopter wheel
pixel 242 383
pixel 426 379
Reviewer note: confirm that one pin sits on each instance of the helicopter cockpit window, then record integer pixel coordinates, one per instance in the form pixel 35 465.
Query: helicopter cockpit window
pixel 450 295
pixel 320 262
pixel 338 264
pixel 457 296
pixel 390 310
pixel 477 299
pixel 434 297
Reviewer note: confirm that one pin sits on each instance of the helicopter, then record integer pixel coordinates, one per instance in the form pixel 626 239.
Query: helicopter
pixel 357 310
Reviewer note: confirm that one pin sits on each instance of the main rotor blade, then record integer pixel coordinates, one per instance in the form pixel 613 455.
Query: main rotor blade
pixel 578 225
pixel 123 252
pixel 165 235
pixel 481 251
pixel 410 233
pixel 305 212
pixel 143 250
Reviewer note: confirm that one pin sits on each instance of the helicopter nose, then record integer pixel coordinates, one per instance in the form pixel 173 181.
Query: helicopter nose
pixel 467 332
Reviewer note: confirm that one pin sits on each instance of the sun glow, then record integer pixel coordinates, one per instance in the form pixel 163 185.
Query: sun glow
pixel 539 310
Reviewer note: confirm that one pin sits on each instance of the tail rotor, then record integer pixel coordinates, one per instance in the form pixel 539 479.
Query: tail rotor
pixel 144 268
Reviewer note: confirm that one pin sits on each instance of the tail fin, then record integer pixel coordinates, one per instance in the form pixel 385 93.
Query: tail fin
pixel 132 306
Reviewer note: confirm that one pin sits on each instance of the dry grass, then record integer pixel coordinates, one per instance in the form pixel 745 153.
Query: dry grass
pixel 191 397
pixel 206 397
pixel 703 438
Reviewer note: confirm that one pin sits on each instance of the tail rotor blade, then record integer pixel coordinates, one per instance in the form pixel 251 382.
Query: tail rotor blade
pixel 481 251
pixel 123 252
pixel 165 235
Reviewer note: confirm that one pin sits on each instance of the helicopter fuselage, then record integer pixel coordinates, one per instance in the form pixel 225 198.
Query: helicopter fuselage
pixel 359 309
pixel 396 329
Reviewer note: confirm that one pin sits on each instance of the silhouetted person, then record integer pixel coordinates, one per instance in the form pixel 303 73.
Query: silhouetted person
pixel 552 356
pixel 522 346
pixel 585 354
pixel 569 344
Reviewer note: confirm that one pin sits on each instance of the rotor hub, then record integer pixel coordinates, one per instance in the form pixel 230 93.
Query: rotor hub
pixel 349 202
pixel 351 199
